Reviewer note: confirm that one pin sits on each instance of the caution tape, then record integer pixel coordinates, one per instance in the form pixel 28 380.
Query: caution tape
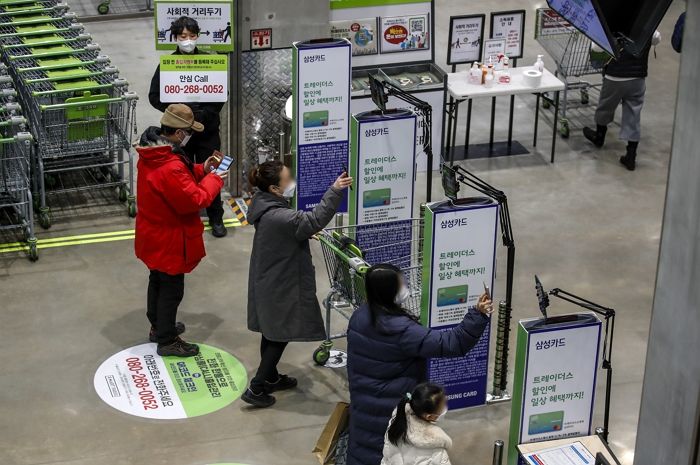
pixel 95 238
pixel 240 209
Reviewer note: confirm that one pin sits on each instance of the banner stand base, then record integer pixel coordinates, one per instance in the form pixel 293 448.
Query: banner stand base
pixel 487 150
pixel 492 399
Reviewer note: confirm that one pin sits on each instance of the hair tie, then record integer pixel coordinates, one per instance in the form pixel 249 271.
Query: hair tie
pixel 409 396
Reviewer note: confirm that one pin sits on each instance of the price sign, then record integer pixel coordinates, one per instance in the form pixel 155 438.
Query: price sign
pixel 193 78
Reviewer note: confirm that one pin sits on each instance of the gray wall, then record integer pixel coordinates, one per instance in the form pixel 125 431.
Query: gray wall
pixel 668 422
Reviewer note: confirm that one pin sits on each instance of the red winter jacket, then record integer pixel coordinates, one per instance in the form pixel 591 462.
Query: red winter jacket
pixel 170 196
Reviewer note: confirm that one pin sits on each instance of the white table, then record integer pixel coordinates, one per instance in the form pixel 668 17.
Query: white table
pixel 460 90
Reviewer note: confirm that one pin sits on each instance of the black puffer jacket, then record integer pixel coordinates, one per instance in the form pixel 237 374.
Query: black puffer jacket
pixel 629 66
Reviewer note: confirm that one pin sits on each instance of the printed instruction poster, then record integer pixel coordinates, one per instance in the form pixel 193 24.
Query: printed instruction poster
pixel 466 39
pixel 362 34
pixel 140 382
pixel 509 26
pixel 560 383
pixel 215 19
pixel 405 33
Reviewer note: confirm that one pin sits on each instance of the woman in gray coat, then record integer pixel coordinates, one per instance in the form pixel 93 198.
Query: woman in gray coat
pixel 282 303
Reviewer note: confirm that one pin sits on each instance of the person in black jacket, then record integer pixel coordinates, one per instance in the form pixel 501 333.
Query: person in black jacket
pixel 387 352
pixel 624 80
pixel 202 145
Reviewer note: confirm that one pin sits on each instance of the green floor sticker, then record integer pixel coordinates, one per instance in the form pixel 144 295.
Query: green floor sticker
pixel 140 382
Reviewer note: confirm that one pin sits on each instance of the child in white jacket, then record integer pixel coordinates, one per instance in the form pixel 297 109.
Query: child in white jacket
pixel 413 438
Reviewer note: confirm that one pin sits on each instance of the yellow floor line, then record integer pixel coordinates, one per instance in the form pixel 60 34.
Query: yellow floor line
pixel 83 239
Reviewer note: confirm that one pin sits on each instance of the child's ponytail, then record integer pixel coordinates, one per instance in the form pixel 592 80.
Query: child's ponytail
pixel 398 429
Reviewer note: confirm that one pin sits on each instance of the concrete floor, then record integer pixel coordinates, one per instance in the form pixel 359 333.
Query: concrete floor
pixel 583 224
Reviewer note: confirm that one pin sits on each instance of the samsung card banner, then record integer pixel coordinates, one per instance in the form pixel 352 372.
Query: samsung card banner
pixel 383 165
pixel 458 259
pixel 555 376
pixel 321 128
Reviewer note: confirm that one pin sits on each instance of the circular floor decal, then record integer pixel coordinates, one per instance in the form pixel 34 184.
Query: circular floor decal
pixel 140 382
pixel 337 359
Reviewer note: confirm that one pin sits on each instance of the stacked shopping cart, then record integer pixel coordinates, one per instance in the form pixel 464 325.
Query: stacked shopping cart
pixel 79 112
pixel 16 212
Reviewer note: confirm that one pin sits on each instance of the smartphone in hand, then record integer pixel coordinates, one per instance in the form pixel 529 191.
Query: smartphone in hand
pixel 225 164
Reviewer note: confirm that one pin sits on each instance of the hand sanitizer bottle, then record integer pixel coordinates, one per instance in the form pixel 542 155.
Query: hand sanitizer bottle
pixel 475 74
pixel 539 64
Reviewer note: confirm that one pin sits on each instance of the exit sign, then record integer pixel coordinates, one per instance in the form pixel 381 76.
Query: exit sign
pixel 260 39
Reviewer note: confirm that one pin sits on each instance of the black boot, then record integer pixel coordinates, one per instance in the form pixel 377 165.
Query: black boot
pixel 218 229
pixel 629 160
pixel 597 136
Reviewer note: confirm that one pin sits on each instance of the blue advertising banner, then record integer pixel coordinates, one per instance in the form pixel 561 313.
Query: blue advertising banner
pixel 459 258
pixel 321 127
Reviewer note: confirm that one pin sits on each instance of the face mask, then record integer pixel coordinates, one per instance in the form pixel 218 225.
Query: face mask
pixel 402 296
pixel 185 140
pixel 186 46
pixel 289 190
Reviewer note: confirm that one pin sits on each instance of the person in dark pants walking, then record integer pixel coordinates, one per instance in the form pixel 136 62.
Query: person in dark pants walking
pixel 171 191
pixel 202 145
pixel 624 81
pixel 282 303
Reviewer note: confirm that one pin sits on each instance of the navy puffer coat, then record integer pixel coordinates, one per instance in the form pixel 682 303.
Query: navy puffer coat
pixel 385 361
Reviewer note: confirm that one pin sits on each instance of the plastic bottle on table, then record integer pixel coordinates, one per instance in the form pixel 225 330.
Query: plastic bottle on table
pixel 539 64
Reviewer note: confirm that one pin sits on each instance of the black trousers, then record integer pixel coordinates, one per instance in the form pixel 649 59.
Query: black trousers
pixel 199 151
pixel 270 355
pixel 165 292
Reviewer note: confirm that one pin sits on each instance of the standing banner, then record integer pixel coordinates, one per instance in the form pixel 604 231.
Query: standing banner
pixel 466 39
pixel 459 257
pixel 215 19
pixel 321 126
pixel 382 162
pixel 509 25
pixel 556 363
pixel 193 78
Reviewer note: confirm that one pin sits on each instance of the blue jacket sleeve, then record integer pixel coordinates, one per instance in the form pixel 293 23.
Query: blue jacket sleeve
pixel 419 341
pixel 677 37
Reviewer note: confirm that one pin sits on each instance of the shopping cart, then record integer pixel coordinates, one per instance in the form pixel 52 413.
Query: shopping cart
pixel 79 47
pixel 30 8
pixel 34 18
pixel 71 36
pixel 92 71
pixel 16 212
pixel 48 25
pixel 574 57
pixel 79 60
pixel 83 144
pixel 349 252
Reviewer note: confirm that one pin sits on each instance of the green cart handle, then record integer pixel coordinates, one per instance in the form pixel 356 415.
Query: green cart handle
pixel 88 48
pixel 356 262
pixel 118 82
pixel 106 71
pixel 58 106
pixel 30 11
pixel 56 41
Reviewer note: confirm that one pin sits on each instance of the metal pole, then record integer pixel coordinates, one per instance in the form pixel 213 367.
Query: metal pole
pixel 498 452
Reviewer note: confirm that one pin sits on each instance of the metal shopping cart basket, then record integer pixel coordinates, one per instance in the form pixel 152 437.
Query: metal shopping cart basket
pixel 349 252
pixel 47 25
pixel 33 17
pixel 80 47
pixel 16 210
pixel 20 11
pixel 71 37
pixel 73 61
pixel 574 57
pixel 84 144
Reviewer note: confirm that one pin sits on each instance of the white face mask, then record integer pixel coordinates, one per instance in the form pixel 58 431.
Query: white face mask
pixel 186 46
pixel 402 296
pixel 289 190
pixel 185 140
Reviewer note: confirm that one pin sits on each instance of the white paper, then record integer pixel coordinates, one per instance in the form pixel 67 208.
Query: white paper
pixel 570 454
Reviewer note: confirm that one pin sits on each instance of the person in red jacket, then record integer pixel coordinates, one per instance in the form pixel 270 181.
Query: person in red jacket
pixel 171 192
